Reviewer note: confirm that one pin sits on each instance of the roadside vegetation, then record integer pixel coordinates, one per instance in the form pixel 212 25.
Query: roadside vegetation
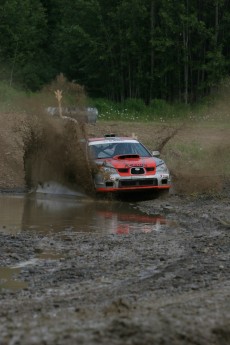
pixel 211 109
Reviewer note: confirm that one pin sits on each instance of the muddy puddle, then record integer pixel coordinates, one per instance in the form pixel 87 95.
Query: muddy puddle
pixel 9 278
pixel 47 213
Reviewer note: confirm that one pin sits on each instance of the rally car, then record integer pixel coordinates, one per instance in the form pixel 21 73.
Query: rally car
pixel 124 164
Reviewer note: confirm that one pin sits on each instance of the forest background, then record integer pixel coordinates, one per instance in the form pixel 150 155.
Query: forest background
pixel 151 51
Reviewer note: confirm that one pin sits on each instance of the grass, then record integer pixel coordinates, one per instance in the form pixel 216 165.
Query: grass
pixel 134 110
pixel 9 97
pixel 209 113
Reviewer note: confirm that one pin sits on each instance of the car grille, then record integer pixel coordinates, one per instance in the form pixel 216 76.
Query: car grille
pixel 138 183
pixel 137 171
pixel 123 170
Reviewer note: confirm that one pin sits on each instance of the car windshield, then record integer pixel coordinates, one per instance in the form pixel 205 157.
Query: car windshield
pixel 109 150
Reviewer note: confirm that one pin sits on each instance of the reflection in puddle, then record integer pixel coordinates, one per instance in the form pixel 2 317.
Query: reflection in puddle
pixel 50 213
pixel 8 281
pixel 124 222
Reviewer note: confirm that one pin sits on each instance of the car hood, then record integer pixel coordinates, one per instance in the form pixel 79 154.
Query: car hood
pixel 128 160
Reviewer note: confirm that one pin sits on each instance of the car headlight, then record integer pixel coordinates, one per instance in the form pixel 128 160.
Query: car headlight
pixel 109 170
pixel 162 168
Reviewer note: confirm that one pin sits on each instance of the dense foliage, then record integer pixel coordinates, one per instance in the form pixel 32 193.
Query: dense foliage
pixel 176 50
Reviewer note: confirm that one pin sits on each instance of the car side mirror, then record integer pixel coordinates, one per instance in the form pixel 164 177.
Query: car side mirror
pixel 155 153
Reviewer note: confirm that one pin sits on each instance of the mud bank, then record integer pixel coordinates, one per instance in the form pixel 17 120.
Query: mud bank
pixel 170 286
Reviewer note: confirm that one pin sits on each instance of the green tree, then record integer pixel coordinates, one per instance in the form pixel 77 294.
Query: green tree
pixel 23 36
pixel 147 49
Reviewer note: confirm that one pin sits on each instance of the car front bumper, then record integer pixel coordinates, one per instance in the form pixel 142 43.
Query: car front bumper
pixel 115 183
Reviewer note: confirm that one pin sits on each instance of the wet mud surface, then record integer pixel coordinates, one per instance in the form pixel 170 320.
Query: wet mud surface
pixel 166 286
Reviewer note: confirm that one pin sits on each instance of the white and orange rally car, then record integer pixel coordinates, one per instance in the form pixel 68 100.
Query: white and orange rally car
pixel 124 164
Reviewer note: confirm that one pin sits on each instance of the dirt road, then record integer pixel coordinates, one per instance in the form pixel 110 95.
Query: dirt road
pixel 170 286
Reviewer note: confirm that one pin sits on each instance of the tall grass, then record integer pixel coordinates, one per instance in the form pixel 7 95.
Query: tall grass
pixel 9 97
pixel 135 110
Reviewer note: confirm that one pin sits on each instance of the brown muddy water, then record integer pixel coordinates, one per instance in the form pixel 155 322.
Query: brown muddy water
pixel 48 211
pixel 56 209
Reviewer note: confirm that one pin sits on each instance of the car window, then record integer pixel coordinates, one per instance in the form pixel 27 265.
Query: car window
pixel 140 150
pixel 109 150
pixel 102 150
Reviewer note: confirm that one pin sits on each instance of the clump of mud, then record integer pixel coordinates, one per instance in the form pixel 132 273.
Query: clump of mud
pixel 55 149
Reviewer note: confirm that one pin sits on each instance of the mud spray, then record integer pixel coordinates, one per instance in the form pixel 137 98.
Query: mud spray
pixel 55 149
